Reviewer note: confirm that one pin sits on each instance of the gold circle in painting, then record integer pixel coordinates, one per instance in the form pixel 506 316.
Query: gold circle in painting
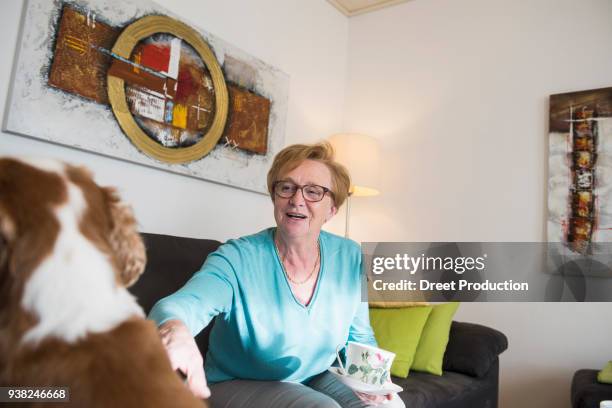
pixel 125 44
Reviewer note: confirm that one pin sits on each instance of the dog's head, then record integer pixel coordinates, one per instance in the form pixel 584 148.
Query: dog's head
pixel 53 215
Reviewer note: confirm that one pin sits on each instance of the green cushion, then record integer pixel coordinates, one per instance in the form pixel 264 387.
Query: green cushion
pixel 399 330
pixel 605 375
pixel 434 338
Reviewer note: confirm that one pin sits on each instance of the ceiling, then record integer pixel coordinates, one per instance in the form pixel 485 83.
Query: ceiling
pixel 354 7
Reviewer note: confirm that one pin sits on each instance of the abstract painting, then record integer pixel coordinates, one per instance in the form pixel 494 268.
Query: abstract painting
pixel 580 171
pixel 131 81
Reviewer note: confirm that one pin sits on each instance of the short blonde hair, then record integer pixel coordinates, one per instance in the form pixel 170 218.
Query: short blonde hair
pixel 292 156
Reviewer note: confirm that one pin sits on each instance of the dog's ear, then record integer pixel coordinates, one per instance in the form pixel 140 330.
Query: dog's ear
pixel 126 243
pixel 7 233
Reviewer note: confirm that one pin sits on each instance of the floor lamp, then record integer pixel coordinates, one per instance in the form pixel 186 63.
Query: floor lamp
pixel 360 155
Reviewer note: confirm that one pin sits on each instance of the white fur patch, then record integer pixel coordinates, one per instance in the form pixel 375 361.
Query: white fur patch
pixel 73 292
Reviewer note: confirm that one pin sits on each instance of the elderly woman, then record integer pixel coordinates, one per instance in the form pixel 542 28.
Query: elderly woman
pixel 285 298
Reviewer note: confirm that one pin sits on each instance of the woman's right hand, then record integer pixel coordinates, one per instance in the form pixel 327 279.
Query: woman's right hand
pixel 184 355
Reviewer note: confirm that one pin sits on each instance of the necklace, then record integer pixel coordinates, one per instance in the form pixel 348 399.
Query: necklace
pixel 314 268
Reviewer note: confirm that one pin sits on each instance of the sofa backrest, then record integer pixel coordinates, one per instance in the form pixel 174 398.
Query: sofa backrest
pixel 170 263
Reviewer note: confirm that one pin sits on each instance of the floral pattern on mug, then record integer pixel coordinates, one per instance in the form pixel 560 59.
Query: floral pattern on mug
pixel 372 369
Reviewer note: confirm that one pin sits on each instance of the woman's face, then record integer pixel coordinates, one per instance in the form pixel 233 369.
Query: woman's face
pixel 297 217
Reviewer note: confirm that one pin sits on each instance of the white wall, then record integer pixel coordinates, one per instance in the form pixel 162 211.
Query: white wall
pixel 457 92
pixel 307 40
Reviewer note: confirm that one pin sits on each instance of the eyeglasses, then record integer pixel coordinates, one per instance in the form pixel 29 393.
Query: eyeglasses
pixel 310 192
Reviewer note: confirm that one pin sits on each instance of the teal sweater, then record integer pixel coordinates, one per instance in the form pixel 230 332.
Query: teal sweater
pixel 263 332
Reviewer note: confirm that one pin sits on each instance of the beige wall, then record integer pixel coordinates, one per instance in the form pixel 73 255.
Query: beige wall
pixel 457 92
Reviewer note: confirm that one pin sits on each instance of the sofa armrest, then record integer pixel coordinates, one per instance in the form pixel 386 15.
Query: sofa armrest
pixel 473 348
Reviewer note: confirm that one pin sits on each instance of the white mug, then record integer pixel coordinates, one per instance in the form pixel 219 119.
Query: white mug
pixel 605 404
pixel 365 363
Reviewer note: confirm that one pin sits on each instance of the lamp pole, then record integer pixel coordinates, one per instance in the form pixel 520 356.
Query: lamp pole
pixel 360 155
pixel 348 215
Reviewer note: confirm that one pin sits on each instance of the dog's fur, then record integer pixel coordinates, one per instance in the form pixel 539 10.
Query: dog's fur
pixel 68 250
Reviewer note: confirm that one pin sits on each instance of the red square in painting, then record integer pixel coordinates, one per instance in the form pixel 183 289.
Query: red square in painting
pixel 155 57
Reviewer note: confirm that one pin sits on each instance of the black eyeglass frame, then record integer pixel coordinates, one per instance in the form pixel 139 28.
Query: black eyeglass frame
pixel 298 187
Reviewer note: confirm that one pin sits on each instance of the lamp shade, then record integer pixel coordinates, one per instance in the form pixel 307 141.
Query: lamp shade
pixel 360 154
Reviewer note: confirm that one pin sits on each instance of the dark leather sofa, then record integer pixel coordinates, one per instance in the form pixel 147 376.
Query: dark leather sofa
pixel 471 364
pixel 587 392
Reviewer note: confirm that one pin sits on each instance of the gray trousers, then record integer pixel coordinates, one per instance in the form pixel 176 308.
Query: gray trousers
pixel 322 391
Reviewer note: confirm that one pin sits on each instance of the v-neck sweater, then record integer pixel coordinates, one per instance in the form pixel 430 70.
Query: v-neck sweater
pixel 262 331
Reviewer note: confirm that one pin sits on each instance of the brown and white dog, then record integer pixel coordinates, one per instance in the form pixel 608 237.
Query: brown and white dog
pixel 68 250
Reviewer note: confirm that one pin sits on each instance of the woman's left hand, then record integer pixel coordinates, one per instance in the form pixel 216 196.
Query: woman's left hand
pixel 371 399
